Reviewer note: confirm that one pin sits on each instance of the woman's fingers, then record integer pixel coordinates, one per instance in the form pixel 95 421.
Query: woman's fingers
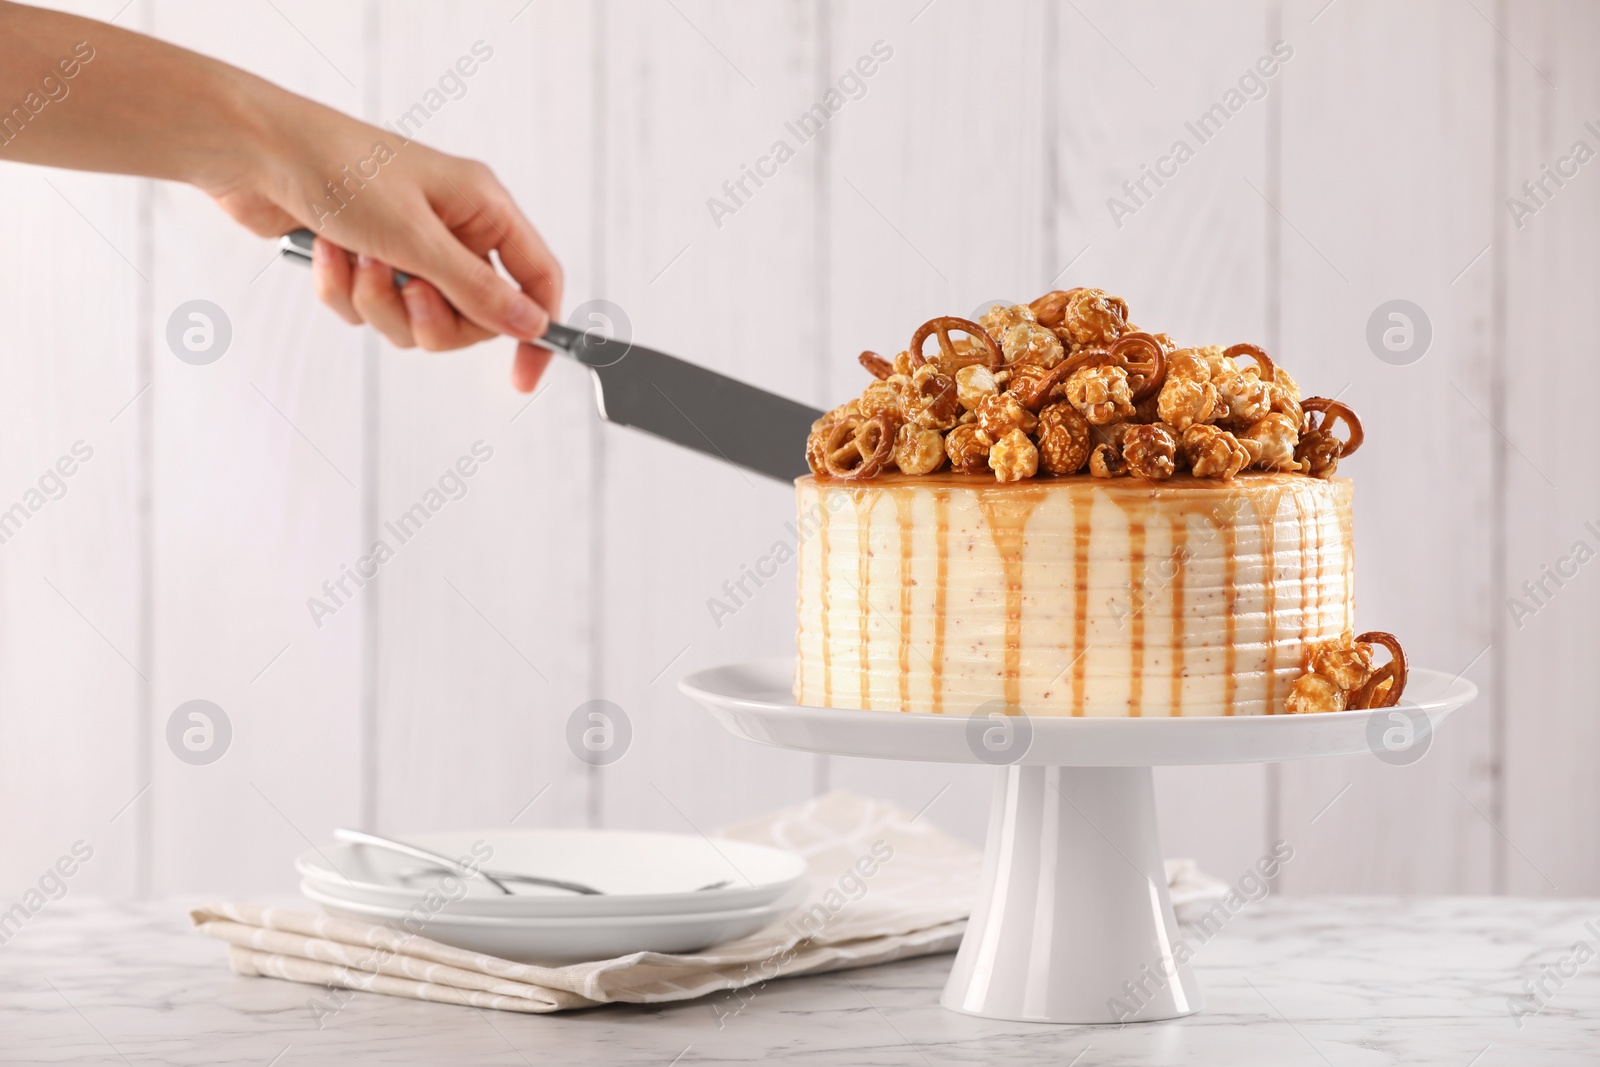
pixel 473 287
pixel 529 366
pixel 331 275
pixel 528 260
pixel 434 323
pixel 378 302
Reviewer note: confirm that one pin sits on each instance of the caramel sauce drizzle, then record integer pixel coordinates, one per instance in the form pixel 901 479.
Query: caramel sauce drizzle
pixel 1180 544
pixel 1267 506
pixel 1230 597
pixel 864 579
pixel 902 509
pixel 1305 566
pixel 1136 511
pixel 941 596
pixel 1007 515
pixel 1081 505
pixel 827 611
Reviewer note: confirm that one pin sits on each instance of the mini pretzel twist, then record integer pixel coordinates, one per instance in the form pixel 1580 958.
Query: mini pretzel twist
pixel 1051 309
pixel 941 327
pixel 876 365
pixel 1266 370
pixel 1374 694
pixel 1321 413
pixel 1145 360
pixel 858 448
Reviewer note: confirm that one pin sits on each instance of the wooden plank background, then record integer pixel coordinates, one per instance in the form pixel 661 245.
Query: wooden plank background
pixel 975 163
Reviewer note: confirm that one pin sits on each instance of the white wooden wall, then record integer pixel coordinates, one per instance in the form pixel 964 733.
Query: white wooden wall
pixel 976 166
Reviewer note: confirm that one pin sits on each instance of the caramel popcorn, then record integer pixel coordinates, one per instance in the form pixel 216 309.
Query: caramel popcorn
pixel 932 400
pixel 1244 397
pixel 1014 457
pixel 967 448
pixel 1313 692
pixel 1106 462
pixel 1091 317
pixel 883 398
pixel 1186 402
pixel 1063 439
pixel 918 451
pixel 1342 660
pixel 975 383
pixel 998 319
pixel 1276 435
pixel 999 415
pixel 1213 453
pixel 1101 393
pixel 1028 342
pixel 1072 377
pixel 1150 452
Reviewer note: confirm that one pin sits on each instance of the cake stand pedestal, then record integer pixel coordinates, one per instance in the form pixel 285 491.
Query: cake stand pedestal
pixel 1072 923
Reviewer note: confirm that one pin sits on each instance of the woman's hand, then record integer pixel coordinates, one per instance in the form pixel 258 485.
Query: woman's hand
pixel 377 204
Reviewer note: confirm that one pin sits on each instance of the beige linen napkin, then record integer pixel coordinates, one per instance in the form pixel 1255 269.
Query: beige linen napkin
pixel 884 886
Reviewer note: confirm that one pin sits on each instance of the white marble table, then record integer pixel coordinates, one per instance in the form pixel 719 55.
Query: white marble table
pixel 1288 981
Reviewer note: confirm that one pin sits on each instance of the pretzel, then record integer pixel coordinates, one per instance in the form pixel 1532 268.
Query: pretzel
pixel 1145 360
pixel 876 365
pixel 1330 410
pixel 1051 308
pixel 941 327
pixel 1266 370
pixel 848 452
pixel 1371 695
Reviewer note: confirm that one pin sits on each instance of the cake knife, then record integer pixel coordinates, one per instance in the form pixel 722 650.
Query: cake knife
pixel 670 398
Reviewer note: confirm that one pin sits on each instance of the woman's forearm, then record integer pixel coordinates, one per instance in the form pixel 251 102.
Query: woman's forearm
pixel 89 96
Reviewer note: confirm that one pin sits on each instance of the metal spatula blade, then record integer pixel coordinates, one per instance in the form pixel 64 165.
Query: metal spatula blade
pixel 670 398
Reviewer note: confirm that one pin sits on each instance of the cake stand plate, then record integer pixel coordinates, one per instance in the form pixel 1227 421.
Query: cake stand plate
pixel 1072 923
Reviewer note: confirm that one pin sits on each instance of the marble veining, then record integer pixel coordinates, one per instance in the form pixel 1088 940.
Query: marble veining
pixel 1288 981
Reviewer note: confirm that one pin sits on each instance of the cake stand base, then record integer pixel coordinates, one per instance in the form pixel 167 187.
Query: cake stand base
pixel 1072 923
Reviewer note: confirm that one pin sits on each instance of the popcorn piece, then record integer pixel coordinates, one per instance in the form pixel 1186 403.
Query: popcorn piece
pixel 918 451
pixel 975 383
pixel 1101 393
pixel 1189 363
pixel 998 319
pixel 1342 660
pixel 1187 401
pixel 1014 457
pixel 1106 462
pixel 932 400
pixel 1277 435
pixel 1150 452
pixel 1213 453
pixel 1318 452
pixel 1313 693
pixel 967 449
pixel 1092 317
pixel 1063 439
pixel 1001 414
pixel 902 364
pixel 883 398
pixel 1244 397
pixel 1028 342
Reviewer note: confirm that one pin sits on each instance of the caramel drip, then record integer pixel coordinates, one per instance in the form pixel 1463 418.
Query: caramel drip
pixel 1305 565
pixel 1180 547
pixel 1322 566
pixel 822 593
pixel 1267 506
pixel 1230 596
pixel 1081 506
pixel 864 579
pixel 941 592
pixel 902 510
pixel 1007 515
pixel 1136 510
pixel 1347 529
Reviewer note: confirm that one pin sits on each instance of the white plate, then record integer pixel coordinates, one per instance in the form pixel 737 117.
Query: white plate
pixel 755 701
pixel 640 873
pixel 565 940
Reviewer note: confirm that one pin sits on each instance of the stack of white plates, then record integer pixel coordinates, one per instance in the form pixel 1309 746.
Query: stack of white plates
pixel 658 892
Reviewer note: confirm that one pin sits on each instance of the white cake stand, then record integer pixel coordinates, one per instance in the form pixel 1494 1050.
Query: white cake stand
pixel 1072 923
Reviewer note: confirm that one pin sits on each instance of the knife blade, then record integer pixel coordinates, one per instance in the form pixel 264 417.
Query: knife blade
pixel 671 398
